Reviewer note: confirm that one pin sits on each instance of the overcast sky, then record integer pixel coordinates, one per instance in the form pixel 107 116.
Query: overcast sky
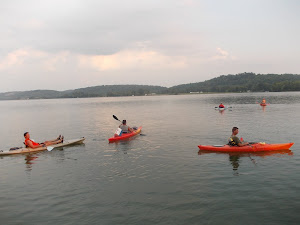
pixel 68 44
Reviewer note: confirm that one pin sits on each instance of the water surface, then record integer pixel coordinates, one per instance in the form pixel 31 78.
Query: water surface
pixel 158 177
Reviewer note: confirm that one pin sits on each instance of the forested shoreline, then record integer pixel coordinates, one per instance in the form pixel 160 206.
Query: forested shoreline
pixel 244 82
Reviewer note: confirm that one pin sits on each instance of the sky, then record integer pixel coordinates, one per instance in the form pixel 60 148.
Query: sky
pixel 69 44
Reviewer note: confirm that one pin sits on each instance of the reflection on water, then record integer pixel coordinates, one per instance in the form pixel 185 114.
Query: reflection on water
pixel 234 157
pixel 263 107
pixel 29 161
pixel 57 153
pixel 234 160
pixel 221 111
pixel 125 145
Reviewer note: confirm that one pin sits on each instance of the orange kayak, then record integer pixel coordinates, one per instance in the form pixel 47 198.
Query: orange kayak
pixel 257 147
pixel 125 135
pixel 246 154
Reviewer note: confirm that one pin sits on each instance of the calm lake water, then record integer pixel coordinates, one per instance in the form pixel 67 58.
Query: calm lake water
pixel 158 177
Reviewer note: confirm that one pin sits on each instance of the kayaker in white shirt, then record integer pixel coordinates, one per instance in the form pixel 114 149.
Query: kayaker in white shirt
pixel 125 128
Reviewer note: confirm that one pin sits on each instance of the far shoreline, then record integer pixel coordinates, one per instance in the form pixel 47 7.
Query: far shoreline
pixel 155 95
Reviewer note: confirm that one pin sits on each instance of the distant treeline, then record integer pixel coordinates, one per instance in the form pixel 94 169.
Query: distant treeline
pixel 97 91
pixel 244 82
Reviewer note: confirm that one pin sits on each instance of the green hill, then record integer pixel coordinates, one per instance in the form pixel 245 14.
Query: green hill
pixel 97 91
pixel 114 90
pixel 36 94
pixel 226 83
pixel 242 83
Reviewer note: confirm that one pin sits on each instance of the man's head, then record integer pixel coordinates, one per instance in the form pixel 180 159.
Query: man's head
pixel 235 130
pixel 124 122
pixel 26 135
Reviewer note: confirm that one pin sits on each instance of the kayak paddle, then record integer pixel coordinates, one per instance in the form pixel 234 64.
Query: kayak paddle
pixel 116 118
pixel 252 160
pixel 49 148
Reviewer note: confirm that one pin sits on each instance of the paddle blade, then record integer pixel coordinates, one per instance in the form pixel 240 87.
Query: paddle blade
pixel 49 148
pixel 116 118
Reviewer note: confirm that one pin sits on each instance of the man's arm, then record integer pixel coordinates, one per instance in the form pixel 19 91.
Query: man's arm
pixel 243 144
pixel 239 143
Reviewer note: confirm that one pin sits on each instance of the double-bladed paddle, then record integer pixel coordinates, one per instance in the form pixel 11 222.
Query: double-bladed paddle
pixel 116 118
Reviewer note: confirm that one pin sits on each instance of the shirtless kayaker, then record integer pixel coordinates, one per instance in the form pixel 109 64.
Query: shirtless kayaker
pixel 31 144
pixel 234 140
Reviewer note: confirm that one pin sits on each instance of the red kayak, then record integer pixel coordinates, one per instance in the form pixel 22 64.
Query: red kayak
pixel 257 147
pixel 125 135
pixel 263 104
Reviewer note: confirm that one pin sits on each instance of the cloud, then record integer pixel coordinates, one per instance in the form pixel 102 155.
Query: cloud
pixel 32 24
pixel 140 57
pixel 132 59
pixel 129 59
pixel 25 57
pixel 16 57
pixel 222 55
pixel 53 60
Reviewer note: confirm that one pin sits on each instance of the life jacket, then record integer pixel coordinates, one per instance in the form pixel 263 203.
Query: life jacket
pixel 231 142
pixel 34 143
pixel 124 128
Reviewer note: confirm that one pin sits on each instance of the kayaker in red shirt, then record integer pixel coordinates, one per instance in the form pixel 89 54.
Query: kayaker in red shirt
pixel 31 144
pixel 234 140
pixel 221 105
